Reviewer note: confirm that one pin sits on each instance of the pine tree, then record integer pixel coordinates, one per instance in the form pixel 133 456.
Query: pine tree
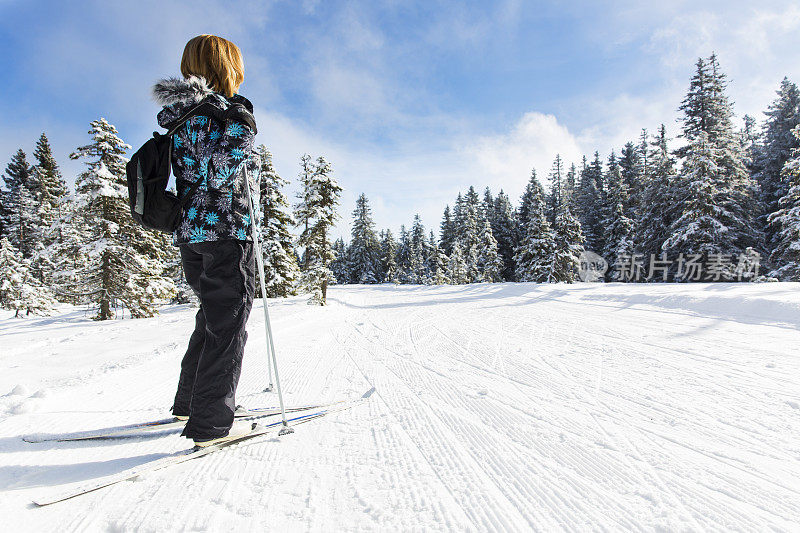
pixel 64 255
pixel 568 247
pixel 503 229
pixel 490 264
pixel 588 207
pixel 304 210
pixel 280 265
pixel 340 266
pixel 469 236
pixel 488 203
pixel 618 227
pixel 783 116
pixel 20 291
pixel 786 222
pixel 5 215
pixel 630 166
pixel 447 231
pixel 389 258
pixel 123 262
pixel 533 189
pixel 50 193
pixel 51 187
pixel 439 266
pixel 403 258
pixel 726 226
pixel 364 251
pixel 457 266
pixel 570 183
pixel 317 214
pixel 534 252
pixel 556 196
pixel 21 205
pixel 702 227
pixel 659 201
pixel 431 250
pixel 417 271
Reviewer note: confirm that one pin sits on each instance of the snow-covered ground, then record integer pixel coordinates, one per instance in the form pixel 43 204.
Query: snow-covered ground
pixel 498 407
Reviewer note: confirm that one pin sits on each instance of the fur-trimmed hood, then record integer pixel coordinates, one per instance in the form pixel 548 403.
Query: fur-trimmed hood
pixel 178 95
pixel 173 90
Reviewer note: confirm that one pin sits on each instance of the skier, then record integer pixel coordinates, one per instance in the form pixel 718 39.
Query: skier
pixel 214 232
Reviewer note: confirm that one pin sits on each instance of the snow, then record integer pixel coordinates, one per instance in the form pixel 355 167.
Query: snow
pixel 498 407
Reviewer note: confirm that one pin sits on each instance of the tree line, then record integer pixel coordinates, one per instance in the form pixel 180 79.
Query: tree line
pixel 721 200
pixel 721 206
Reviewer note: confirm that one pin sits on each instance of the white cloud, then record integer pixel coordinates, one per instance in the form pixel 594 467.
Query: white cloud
pixel 506 160
pixel 408 180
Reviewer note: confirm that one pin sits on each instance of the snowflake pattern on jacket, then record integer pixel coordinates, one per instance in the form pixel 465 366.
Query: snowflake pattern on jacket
pixel 215 153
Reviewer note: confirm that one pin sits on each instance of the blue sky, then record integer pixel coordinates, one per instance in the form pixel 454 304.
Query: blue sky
pixel 410 101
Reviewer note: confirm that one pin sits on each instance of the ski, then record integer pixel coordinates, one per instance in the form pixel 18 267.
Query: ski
pixel 197 452
pixel 154 426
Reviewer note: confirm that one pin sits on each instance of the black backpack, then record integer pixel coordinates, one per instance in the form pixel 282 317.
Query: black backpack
pixel 152 205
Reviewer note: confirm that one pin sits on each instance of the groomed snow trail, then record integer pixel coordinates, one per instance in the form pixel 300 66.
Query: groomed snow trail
pixel 506 407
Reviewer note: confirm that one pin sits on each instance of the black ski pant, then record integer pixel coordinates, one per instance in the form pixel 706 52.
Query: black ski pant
pixel 222 275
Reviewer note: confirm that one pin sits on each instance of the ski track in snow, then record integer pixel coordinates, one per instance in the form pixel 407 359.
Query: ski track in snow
pixel 505 407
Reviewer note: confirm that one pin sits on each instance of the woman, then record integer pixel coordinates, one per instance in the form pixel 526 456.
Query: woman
pixel 216 147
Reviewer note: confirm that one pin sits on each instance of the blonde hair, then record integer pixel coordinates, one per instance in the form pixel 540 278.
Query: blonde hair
pixel 217 60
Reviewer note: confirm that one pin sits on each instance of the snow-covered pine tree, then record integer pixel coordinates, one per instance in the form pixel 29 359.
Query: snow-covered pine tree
pixel 751 142
pixel 280 265
pixel 340 266
pixel 431 250
pixel 51 191
pixel 123 261
pixel 403 258
pixel 658 204
pixel 532 189
pixel 5 215
pixel 556 196
pixel 389 269
pixel 469 237
pixel 488 203
pixel 458 217
pixel 316 214
pixel 22 205
pixel 457 266
pixel 786 222
pixel 630 166
pixel 702 227
pixel 490 264
pixel 418 271
pixel 51 187
pixel 783 116
pixel 364 253
pixel 726 226
pixel 64 256
pixel 588 207
pixel 567 248
pixel 534 252
pixel 570 182
pixel 618 227
pixel 438 265
pixel 503 228
pixel 447 231
pixel 20 291
pixel 303 210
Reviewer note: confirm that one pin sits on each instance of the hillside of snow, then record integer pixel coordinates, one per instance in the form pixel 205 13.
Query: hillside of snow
pixel 498 407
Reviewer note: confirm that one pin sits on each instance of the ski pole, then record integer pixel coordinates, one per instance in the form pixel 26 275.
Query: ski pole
pixel 267 326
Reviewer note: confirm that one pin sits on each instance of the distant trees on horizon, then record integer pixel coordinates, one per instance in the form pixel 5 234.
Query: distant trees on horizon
pixel 724 200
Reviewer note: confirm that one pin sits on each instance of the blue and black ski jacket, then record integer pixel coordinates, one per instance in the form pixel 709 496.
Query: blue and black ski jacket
pixel 216 147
